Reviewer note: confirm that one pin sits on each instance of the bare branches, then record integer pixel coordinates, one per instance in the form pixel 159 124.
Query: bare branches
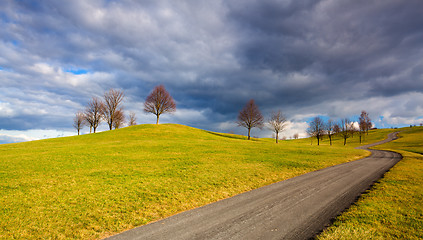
pixel 250 116
pixel 330 129
pixel 316 128
pixel 159 101
pixel 277 123
pixel 112 101
pixel 345 129
pixel 78 121
pixel 119 119
pixel 132 119
pixel 94 113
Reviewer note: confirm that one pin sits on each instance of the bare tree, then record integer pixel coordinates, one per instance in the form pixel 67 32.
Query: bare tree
pixel 330 125
pixel 353 129
pixel 296 135
pixel 345 129
pixel 132 119
pixel 250 117
pixel 112 101
pixel 362 124
pixel 119 119
pixel 336 128
pixel 317 128
pixel 159 101
pixel 94 113
pixel 78 121
pixel 277 123
pixel 368 123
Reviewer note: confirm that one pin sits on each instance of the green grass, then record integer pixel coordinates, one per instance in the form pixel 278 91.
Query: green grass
pixel 93 186
pixel 393 208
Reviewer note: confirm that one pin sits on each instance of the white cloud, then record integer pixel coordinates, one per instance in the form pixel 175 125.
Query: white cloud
pixel 11 136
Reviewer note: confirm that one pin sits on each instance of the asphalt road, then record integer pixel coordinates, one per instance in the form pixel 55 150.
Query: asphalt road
pixel 297 208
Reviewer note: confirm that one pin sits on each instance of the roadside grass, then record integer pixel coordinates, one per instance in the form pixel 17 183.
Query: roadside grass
pixel 393 208
pixel 93 186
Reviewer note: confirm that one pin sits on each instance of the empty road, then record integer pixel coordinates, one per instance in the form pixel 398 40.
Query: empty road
pixel 297 208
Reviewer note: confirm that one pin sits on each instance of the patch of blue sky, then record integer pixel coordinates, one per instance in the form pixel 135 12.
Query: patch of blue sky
pixel 77 71
pixel 15 43
pixel 5 69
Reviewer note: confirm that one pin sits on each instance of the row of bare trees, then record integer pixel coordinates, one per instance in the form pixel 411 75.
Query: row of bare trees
pixel 345 128
pixel 250 117
pixel 110 109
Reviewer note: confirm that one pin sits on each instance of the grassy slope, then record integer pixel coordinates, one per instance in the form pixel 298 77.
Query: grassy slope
pixel 92 186
pixel 393 209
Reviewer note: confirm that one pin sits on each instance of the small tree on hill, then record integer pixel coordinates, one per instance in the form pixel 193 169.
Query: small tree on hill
pixel 362 124
pixel 119 119
pixel 159 101
pixel 330 125
pixel 317 128
pixel 336 128
pixel 78 121
pixel 132 119
pixel 94 113
pixel 112 101
pixel 277 123
pixel 250 117
pixel 345 129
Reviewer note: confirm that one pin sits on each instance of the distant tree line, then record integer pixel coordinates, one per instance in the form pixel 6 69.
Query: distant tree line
pixel 251 117
pixel 345 128
pixel 110 109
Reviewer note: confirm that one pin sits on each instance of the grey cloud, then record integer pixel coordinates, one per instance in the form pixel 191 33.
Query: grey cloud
pixel 305 57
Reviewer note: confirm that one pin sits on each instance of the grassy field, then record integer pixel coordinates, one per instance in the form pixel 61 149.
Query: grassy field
pixel 92 186
pixel 393 209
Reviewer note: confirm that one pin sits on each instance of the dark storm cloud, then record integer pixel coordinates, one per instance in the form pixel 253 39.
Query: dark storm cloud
pixel 306 57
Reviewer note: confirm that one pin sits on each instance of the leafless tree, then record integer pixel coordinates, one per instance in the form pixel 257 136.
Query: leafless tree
pixel 94 113
pixel 336 128
pixel 159 101
pixel 345 129
pixel 112 105
pixel 362 124
pixel 119 119
pixel 330 125
pixel 78 121
pixel 353 129
pixel 317 128
pixel 132 119
pixel 368 122
pixel 277 123
pixel 296 135
pixel 250 117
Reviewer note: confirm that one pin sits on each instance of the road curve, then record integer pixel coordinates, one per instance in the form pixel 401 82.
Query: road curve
pixel 297 208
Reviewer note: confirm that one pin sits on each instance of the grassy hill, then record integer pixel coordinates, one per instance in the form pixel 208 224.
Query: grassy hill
pixel 95 185
pixel 393 208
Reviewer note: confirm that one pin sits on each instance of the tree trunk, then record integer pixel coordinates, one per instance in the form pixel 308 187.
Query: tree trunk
pixel 249 133
pixel 360 137
pixel 318 140
pixel 330 139
pixel 345 141
pixel 78 132
pixel 91 128
pixel 157 122
pixel 110 125
pixel 94 128
pixel 277 137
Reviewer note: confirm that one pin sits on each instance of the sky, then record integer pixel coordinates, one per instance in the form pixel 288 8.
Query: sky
pixel 329 58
